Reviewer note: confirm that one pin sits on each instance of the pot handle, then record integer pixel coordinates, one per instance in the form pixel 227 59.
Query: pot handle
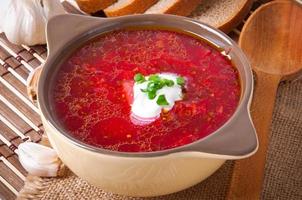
pixel 61 28
pixel 235 140
pixel 32 83
pixel 43 170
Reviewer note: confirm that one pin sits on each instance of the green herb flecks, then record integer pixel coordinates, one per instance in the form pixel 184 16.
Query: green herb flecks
pixel 168 82
pixel 162 101
pixel 139 78
pixel 151 95
pixel 180 81
pixel 155 83
pixel 154 78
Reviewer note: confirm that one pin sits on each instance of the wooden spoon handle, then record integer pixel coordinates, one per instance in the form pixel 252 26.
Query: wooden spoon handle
pixel 248 174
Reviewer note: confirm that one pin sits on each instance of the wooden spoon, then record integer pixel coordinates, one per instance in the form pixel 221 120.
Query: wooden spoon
pixel 272 40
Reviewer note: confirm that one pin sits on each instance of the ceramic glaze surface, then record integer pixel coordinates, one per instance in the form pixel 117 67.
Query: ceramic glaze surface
pixel 145 173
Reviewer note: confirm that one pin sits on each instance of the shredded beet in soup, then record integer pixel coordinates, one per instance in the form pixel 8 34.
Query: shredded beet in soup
pixel 93 90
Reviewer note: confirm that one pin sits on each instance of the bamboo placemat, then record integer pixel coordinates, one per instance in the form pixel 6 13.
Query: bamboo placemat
pixel 19 117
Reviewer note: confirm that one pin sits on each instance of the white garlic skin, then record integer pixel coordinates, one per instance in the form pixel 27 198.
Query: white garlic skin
pixel 24 22
pixel 38 160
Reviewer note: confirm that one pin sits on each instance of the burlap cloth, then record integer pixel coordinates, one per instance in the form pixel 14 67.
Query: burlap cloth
pixel 283 173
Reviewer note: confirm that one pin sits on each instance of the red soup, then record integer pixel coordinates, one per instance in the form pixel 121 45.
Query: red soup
pixel 92 90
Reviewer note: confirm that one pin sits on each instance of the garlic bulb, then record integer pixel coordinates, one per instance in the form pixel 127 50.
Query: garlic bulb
pixel 23 22
pixel 39 160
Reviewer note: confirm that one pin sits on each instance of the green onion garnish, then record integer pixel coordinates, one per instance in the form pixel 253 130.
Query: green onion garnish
pixel 154 78
pixel 180 81
pixel 162 101
pixel 139 78
pixel 151 95
pixel 168 82
pixel 151 86
pixel 155 83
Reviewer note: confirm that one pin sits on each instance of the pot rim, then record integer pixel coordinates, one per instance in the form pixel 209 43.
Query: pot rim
pixel 241 110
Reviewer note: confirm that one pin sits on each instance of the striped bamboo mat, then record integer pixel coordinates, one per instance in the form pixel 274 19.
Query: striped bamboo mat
pixel 19 117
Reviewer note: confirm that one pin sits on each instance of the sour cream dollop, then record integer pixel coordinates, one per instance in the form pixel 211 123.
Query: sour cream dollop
pixel 147 110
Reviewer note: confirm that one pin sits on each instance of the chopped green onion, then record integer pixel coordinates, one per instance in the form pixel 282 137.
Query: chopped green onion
pixel 180 81
pixel 155 83
pixel 168 82
pixel 162 101
pixel 139 78
pixel 159 85
pixel 154 78
pixel 151 95
pixel 151 87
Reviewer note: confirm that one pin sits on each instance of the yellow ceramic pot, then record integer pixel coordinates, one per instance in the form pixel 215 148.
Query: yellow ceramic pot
pixel 151 173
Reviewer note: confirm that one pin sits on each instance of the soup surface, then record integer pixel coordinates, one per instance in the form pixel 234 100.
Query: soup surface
pixel 92 90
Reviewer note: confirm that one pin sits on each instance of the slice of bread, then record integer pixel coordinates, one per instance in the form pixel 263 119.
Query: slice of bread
pixel 176 7
pixel 92 6
pixel 222 14
pixel 126 7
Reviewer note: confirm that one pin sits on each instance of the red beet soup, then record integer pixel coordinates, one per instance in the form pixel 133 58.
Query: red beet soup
pixel 92 90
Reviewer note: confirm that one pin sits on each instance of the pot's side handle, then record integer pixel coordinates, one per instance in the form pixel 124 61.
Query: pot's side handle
pixel 61 28
pixel 33 167
pixel 32 83
pixel 237 140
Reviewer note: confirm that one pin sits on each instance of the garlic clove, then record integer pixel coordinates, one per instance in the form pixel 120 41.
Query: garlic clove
pixel 52 8
pixel 38 153
pixel 24 22
pixel 39 160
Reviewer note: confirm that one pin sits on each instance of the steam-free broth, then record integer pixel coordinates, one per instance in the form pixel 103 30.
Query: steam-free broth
pixel 92 92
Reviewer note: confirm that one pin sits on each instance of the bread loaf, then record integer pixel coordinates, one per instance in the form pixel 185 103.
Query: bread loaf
pixel 176 7
pixel 92 6
pixel 126 7
pixel 222 14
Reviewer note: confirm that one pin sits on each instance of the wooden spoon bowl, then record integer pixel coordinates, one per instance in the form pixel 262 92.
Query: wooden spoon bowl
pixel 272 40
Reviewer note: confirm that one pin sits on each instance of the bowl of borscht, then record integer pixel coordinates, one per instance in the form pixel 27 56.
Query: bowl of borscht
pixel 145 105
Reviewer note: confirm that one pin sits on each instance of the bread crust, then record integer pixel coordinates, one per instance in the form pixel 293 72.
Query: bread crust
pixel 183 7
pixel 137 6
pixel 92 6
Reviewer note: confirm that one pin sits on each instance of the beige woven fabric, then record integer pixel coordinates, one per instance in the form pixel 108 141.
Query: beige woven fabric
pixel 283 174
